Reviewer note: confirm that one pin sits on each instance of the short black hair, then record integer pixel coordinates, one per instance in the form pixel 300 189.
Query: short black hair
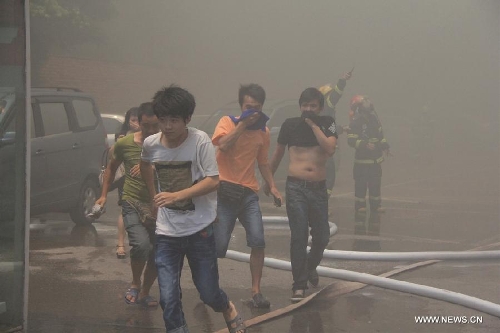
pixel 311 94
pixel 145 109
pixel 253 90
pixel 174 101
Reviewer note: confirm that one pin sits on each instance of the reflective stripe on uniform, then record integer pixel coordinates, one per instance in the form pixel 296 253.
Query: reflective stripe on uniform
pixel 373 140
pixel 330 104
pixel 375 198
pixel 360 199
pixel 338 90
pixel 377 161
pixel 352 136
pixel 358 142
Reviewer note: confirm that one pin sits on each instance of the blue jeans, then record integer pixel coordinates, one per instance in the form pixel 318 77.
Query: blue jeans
pixel 199 249
pixel 247 210
pixel 306 207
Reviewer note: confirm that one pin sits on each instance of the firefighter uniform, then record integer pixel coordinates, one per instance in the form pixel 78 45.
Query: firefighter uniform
pixel 332 96
pixel 365 128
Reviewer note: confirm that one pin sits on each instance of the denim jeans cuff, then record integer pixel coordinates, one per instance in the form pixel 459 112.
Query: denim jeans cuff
pixel 182 329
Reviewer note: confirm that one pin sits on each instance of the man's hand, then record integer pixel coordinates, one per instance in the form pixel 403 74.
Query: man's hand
pixel 163 199
pixel 134 126
pixel 101 201
pixel 347 75
pixel 370 146
pixel 310 122
pixel 277 196
pixel 135 171
pixel 250 120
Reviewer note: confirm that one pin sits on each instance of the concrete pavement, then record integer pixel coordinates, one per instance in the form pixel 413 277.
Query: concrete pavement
pixel 77 284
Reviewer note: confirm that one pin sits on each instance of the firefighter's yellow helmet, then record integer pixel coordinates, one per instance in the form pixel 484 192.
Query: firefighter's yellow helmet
pixel 326 88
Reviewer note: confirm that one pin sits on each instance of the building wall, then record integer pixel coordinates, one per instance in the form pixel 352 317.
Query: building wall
pixel 115 86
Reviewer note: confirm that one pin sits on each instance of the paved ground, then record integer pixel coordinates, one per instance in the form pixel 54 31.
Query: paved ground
pixel 447 203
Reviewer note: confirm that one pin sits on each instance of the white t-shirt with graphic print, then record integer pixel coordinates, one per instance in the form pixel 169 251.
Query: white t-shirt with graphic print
pixel 179 168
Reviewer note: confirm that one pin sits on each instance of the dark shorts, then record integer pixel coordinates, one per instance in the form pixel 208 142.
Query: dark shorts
pixel 141 239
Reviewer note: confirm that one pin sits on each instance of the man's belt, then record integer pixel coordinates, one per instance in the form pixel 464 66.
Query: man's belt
pixel 307 183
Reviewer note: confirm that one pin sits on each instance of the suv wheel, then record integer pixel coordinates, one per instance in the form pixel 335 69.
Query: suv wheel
pixel 86 199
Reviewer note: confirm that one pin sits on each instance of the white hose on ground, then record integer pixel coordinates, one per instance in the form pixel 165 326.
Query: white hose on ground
pixel 391 256
pixel 397 256
pixel 283 219
pixel 407 287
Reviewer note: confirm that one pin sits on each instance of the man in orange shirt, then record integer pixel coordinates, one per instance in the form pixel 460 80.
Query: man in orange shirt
pixel 241 141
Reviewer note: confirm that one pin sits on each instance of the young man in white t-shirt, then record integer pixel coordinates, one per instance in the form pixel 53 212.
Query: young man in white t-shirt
pixel 186 203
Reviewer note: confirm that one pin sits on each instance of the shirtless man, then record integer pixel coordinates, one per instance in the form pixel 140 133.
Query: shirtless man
pixel 311 140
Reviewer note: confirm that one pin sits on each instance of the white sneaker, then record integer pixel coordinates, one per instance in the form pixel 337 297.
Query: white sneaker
pixel 298 295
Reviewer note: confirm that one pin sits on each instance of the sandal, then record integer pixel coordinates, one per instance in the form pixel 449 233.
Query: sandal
pixel 131 293
pixel 260 301
pixel 148 302
pixel 236 325
pixel 120 252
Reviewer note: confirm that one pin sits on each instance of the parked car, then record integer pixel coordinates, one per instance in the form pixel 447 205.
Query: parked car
pixel 67 143
pixel 277 111
pixel 112 125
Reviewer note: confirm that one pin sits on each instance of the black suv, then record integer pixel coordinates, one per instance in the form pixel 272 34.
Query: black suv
pixel 67 143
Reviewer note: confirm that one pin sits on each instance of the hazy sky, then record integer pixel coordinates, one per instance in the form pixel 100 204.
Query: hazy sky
pixel 407 53
pixel 419 52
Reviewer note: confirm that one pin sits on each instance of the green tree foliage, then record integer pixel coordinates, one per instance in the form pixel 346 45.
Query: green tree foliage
pixel 61 24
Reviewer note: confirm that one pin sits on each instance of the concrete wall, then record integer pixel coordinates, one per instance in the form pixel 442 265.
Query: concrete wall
pixel 115 86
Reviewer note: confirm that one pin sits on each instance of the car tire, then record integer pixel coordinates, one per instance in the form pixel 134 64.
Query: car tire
pixel 86 199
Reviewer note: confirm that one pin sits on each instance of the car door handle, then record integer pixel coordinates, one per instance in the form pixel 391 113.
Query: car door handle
pixel 39 151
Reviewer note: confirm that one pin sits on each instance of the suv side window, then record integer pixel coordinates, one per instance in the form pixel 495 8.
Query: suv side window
pixel 84 111
pixel 54 118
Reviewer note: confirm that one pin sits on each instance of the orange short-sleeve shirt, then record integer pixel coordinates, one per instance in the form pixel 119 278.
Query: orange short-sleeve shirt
pixel 238 164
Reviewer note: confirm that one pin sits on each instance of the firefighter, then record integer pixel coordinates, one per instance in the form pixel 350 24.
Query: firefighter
pixel 332 96
pixel 366 136
pixel 354 104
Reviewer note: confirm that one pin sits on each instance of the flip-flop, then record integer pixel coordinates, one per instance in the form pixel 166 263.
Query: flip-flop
pixel 148 302
pixel 236 325
pixel 132 292
pixel 260 301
